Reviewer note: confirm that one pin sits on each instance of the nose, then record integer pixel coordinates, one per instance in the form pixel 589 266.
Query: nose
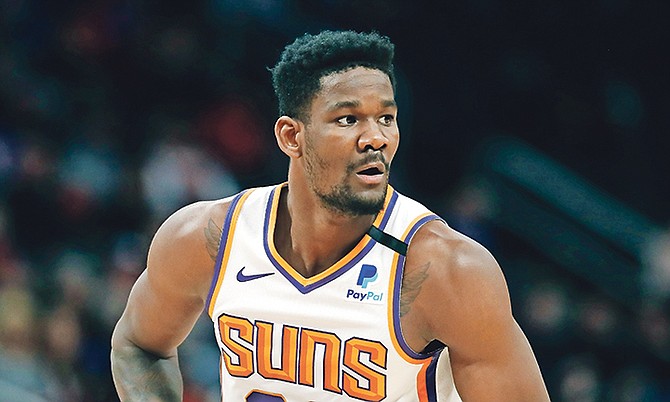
pixel 372 138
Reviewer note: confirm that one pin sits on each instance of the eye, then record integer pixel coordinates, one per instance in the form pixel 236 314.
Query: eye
pixel 348 120
pixel 387 120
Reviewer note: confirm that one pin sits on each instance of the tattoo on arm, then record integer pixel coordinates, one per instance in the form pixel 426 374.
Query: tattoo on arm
pixel 212 237
pixel 141 376
pixel 411 285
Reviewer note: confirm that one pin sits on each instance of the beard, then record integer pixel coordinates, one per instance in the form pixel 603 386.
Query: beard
pixel 341 198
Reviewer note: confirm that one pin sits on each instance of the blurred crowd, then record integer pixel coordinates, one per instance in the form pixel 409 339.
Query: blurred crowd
pixel 90 164
pixel 75 226
pixel 113 114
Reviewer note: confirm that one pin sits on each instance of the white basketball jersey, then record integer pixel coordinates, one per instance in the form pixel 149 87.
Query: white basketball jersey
pixel 331 337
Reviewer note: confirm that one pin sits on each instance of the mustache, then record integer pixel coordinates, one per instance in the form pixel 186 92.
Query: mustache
pixel 370 157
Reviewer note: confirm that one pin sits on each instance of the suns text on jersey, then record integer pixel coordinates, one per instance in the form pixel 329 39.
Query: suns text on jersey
pixel 355 366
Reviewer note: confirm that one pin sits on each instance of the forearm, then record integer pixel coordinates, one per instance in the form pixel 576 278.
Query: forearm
pixel 483 384
pixel 143 377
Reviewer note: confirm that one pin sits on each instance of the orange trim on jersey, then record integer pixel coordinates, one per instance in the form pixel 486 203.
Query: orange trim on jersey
pixel 227 248
pixel 391 292
pixel 333 268
pixel 422 383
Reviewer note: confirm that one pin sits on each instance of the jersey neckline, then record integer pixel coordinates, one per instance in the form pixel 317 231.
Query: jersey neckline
pixel 306 285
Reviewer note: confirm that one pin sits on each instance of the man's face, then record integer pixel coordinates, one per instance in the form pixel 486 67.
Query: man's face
pixel 350 140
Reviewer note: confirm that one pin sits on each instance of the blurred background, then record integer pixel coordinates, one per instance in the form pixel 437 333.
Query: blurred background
pixel 539 128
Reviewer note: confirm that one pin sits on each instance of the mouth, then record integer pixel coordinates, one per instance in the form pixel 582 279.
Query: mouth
pixel 372 169
pixel 371 173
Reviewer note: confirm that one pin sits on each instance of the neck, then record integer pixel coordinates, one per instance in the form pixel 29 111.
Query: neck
pixel 311 237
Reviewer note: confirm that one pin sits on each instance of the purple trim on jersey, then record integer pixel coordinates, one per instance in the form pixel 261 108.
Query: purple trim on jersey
pixel 222 246
pixel 387 214
pixel 431 377
pixel 396 290
pixel 304 289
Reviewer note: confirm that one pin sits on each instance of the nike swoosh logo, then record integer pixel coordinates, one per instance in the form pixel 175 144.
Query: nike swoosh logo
pixel 245 278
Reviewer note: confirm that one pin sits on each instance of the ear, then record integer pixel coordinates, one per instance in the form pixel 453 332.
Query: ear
pixel 287 130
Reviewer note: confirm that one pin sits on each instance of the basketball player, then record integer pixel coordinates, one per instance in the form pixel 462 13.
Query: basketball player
pixel 331 286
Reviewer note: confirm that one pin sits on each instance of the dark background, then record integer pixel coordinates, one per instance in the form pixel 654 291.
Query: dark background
pixel 114 114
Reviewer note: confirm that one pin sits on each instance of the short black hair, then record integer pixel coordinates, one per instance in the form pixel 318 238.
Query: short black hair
pixel 297 75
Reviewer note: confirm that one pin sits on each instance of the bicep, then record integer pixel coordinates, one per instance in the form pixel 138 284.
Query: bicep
pixel 490 355
pixel 502 366
pixel 157 318
pixel 169 296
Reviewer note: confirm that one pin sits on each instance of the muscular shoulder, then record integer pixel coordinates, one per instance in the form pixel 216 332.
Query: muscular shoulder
pixel 188 223
pixel 461 285
pixel 185 245
pixel 456 254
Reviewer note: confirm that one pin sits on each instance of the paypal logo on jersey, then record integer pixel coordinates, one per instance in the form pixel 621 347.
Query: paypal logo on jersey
pixel 367 275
